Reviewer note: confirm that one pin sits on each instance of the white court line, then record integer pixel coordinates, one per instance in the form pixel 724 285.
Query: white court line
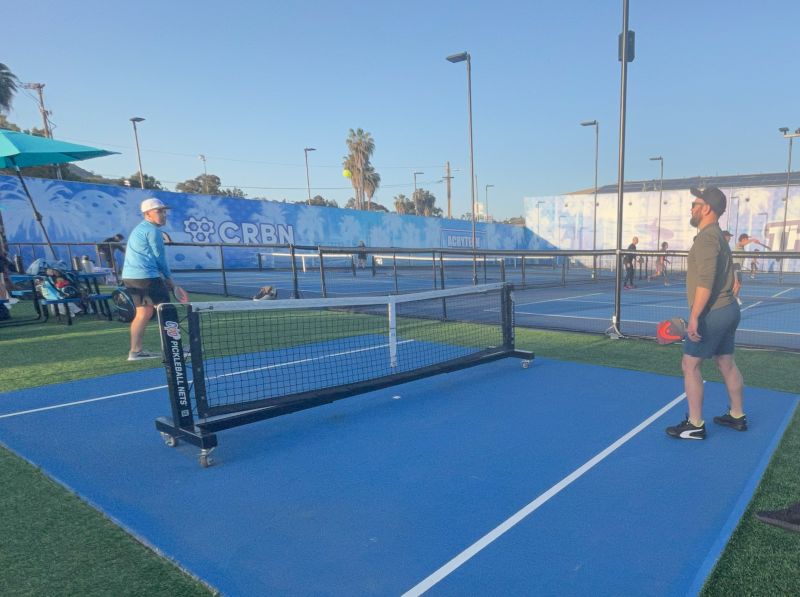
pixel 108 397
pixel 79 402
pixel 566 298
pixel 511 522
pixel 762 302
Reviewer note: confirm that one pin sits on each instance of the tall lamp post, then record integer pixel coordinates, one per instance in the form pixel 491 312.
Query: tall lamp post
pixel 486 199
pixel 596 126
pixel 415 183
pixel 202 158
pixel 660 194
pixel 465 57
pixel 308 180
pixel 791 137
pixel 538 221
pixel 135 120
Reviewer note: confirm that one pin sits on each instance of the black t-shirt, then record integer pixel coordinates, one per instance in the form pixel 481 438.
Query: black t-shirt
pixel 628 259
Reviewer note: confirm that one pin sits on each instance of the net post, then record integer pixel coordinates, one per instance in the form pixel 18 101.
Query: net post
pixel 222 264
pixel 198 373
pixel 353 265
pixel 374 267
pixel 507 309
pixel 433 263
pixel 322 274
pixel 441 270
pixel 502 269
pixel 523 271
pixel 295 289
pixel 564 270
pixel 394 271
pixel 175 365
pixel 483 257
pixel 392 312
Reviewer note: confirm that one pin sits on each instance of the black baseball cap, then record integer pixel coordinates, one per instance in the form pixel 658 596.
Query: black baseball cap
pixel 713 196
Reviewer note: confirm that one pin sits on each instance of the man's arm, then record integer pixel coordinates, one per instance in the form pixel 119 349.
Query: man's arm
pixel 701 297
pixel 159 252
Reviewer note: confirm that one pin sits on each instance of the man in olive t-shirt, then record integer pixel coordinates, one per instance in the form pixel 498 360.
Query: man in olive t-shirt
pixel 713 318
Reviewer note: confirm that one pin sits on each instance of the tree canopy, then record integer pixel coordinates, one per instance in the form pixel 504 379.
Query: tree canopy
pixel 208 184
pixel 8 87
pixel 363 177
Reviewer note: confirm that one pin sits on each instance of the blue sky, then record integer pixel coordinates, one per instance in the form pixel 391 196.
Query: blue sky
pixel 250 84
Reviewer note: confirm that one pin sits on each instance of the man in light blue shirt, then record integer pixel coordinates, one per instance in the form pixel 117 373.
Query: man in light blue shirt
pixel 146 273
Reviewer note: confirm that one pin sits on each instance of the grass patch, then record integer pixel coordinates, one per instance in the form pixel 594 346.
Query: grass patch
pixel 53 543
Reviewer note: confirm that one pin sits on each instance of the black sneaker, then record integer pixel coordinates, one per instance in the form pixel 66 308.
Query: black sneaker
pixel 685 430
pixel 788 518
pixel 727 420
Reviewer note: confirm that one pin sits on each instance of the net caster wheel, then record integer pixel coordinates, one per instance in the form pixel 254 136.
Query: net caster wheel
pixel 170 440
pixel 526 364
pixel 205 458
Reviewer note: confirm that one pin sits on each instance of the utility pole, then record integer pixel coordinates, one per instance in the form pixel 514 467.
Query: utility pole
pixel 448 178
pixel 39 89
pixel 202 158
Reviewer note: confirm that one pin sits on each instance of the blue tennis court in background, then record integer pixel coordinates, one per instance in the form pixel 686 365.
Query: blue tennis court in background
pixel 555 479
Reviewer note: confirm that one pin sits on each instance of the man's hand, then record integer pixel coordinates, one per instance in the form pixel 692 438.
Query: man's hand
pixel 691 330
pixel 170 284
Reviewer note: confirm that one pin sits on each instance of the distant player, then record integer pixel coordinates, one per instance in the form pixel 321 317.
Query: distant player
pixel 661 265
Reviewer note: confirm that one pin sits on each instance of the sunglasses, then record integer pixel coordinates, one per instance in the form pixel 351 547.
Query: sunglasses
pixel 698 203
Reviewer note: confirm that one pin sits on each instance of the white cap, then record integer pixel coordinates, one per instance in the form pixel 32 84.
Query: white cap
pixel 152 203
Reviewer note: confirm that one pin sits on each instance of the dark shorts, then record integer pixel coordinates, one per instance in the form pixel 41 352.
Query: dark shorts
pixel 718 331
pixel 148 291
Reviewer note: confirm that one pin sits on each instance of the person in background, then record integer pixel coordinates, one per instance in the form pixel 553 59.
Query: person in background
pixel 107 247
pixel 629 261
pixel 713 318
pixel 661 265
pixel 146 273
pixel 362 255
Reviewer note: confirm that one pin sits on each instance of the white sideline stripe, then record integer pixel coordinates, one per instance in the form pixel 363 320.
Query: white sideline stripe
pixel 79 402
pixel 319 358
pixel 509 523
pixel 110 396
pixel 777 294
pixel 565 298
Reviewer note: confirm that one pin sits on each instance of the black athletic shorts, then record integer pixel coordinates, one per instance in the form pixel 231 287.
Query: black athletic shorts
pixel 147 291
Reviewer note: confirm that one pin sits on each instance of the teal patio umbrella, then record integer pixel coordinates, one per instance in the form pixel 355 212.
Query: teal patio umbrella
pixel 18 150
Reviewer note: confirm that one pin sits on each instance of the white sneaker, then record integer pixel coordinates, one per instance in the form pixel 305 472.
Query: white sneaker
pixel 738 300
pixel 141 355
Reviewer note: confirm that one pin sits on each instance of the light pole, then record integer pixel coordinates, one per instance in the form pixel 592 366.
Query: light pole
pixel 205 174
pixel 415 183
pixel 135 120
pixel 660 194
pixel 791 137
pixel 308 180
pixel 465 57
pixel 538 221
pixel 596 126
pixel 486 199
pixel 736 225
pixel 560 232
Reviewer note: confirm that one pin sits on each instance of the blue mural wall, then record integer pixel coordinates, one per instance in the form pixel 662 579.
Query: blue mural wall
pixel 567 221
pixel 86 213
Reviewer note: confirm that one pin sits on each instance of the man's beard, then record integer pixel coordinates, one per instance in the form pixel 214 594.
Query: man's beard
pixel 694 221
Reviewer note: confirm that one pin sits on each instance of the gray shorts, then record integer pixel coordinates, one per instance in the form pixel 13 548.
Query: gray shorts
pixel 718 331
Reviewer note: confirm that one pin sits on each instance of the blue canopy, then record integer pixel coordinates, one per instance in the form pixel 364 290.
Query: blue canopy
pixel 21 150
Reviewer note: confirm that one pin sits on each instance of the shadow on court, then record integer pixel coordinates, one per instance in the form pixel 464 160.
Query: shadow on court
pixel 557 479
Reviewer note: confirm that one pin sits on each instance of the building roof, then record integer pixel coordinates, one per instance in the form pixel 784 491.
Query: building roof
pixel 777 179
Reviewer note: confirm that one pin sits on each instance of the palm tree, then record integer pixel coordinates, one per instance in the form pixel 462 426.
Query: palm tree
pixel 361 146
pixel 8 87
pixel 372 180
